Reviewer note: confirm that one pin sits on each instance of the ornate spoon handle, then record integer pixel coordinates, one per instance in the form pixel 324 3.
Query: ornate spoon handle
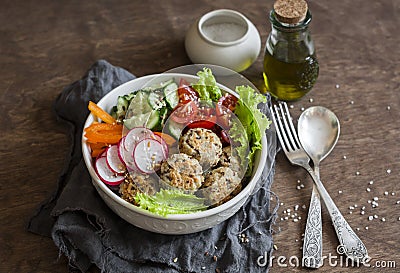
pixel 312 245
pixel 350 244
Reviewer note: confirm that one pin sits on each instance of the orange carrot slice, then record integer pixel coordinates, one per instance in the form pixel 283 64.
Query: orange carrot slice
pixel 168 139
pixel 104 133
pixel 100 113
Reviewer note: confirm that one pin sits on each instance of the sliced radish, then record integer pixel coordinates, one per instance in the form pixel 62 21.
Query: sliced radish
pixel 113 160
pixel 126 156
pixel 148 155
pixel 135 135
pixel 163 142
pixel 106 174
pixel 121 150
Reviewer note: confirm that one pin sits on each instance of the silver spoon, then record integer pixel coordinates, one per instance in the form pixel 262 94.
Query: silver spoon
pixel 318 129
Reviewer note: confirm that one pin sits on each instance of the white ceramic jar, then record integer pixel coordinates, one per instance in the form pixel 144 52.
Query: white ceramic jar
pixel 223 37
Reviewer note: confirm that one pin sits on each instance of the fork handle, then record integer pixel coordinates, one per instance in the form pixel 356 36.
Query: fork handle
pixel 350 244
pixel 312 245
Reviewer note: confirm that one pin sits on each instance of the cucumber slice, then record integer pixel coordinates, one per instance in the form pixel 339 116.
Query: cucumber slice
pixel 148 120
pixel 140 113
pixel 122 106
pixel 163 115
pixel 155 101
pixel 175 129
pixel 139 105
pixel 171 94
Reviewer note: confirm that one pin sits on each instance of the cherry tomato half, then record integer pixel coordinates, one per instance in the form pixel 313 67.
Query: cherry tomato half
pixel 205 118
pixel 228 101
pixel 185 112
pixel 186 93
pixel 225 106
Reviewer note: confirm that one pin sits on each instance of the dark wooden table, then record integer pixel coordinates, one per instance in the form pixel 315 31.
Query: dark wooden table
pixel 45 45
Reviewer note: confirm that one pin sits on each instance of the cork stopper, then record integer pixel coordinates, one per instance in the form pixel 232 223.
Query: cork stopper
pixel 290 11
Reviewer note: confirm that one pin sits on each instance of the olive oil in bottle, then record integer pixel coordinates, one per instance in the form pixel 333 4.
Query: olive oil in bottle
pixel 289 81
pixel 290 64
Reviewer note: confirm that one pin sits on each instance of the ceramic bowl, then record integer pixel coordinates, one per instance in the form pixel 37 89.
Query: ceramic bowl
pixel 172 224
pixel 223 37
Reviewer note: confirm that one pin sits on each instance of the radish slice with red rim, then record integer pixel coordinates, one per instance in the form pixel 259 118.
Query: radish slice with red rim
pixel 106 174
pixel 113 160
pixel 163 142
pixel 126 156
pixel 135 135
pixel 148 155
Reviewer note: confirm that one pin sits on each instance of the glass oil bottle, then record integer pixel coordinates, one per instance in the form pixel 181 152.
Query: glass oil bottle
pixel 290 64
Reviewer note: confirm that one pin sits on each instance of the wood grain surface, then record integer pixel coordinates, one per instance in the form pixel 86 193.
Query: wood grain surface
pixel 45 45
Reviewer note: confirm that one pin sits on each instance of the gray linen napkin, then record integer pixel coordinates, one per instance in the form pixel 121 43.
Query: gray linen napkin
pixel 88 232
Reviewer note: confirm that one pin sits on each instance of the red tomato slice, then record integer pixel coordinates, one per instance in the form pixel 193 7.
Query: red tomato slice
pixel 186 93
pixel 202 124
pixel 225 106
pixel 184 113
pixel 228 101
pixel 205 118
pixel 206 113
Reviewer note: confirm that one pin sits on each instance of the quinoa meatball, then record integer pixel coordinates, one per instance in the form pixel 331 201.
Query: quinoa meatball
pixel 182 171
pixel 229 160
pixel 202 144
pixel 137 182
pixel 219 184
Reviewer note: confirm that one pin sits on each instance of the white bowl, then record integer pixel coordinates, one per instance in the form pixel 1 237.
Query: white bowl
pixel 172 224
pixel 223 37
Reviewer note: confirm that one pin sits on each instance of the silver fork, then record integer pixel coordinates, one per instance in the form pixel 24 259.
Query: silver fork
pixel 349 243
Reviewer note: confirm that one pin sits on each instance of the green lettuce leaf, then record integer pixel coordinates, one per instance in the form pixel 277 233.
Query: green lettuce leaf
pixel 167 202
pixel 206 86
pixel 252 119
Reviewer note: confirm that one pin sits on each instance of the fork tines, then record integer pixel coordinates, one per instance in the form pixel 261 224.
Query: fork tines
pixel 285 129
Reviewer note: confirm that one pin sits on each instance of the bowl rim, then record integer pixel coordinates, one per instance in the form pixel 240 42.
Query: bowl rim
pixel 244 193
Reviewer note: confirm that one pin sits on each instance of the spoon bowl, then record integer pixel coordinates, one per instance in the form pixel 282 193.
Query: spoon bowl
pixel 318 129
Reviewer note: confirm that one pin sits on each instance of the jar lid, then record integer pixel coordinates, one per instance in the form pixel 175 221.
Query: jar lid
pixel 290 11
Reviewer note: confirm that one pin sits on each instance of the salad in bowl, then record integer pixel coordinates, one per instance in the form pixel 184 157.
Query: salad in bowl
pixel 176 153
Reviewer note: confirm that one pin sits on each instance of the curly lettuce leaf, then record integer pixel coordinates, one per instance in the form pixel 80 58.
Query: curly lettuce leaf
pixel 253 120
pixel 206 86
pixel 167 202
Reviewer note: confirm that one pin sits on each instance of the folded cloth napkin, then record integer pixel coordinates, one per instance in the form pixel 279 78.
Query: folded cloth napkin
pixel 88 232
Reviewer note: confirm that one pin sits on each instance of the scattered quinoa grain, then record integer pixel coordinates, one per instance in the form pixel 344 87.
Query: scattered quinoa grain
pixel 175 259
